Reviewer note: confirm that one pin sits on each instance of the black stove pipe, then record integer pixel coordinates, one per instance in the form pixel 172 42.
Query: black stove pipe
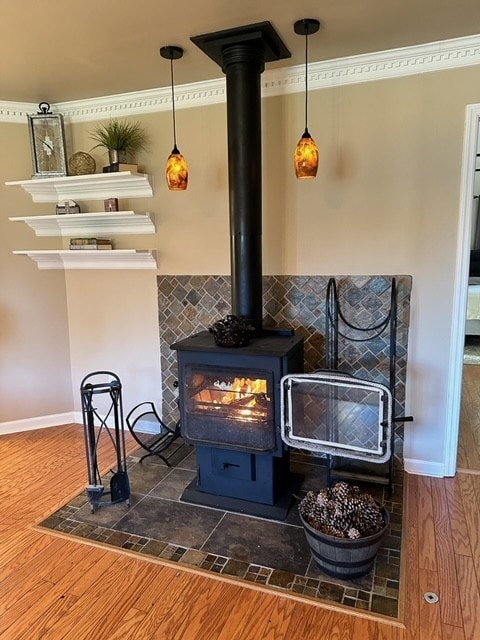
pixel 243 64
pixel 242 53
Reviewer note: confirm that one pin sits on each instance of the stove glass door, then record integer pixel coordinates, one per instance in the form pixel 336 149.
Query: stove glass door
pixel 337 414
pixel 229 407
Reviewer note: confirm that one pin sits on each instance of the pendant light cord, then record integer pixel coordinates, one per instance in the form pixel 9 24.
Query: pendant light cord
pixel 306 78
pixel 173 105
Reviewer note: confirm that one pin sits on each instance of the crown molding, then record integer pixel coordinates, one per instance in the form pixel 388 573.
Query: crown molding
pixel 16 111
pixel 195 94
pixel 380 65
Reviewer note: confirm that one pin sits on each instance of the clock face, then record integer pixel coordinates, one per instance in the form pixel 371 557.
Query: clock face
pixel 48 145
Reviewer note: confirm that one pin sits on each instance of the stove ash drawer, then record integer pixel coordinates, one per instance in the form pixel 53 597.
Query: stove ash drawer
pixel 238 474
pixel 233 464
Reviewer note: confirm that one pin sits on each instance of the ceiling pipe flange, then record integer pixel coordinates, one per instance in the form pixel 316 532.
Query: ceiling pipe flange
pixel 213 44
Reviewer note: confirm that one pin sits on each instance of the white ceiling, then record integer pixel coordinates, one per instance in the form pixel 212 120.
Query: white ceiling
pixel 60 50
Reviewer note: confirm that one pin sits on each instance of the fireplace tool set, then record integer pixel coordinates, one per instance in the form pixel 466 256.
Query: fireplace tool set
pixel 107 394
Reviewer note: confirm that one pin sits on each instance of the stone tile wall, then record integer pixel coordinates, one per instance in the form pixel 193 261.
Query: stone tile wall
pixel 188 304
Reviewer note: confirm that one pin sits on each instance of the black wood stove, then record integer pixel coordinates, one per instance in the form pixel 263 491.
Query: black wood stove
pixel 230 410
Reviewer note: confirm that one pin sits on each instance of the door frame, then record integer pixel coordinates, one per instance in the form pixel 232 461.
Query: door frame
pixel 460 292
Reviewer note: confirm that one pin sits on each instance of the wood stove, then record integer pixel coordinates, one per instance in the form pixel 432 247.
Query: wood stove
pixel 230 410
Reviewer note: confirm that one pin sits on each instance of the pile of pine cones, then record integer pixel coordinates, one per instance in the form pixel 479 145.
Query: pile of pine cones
pixel 342 511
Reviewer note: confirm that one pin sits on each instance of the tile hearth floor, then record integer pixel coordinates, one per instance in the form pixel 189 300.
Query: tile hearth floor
pixel 267 552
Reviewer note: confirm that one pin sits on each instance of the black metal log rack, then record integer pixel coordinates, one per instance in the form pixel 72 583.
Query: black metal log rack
pixel 338 326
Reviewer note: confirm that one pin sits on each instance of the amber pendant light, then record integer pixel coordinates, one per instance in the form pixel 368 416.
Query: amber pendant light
pixel 176 171
pixel 306 153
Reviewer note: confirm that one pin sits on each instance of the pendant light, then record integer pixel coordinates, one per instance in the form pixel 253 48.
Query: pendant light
pixel 306 153
pixel 176 170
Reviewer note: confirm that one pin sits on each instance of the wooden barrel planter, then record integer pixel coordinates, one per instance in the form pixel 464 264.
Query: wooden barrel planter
pixel 342 557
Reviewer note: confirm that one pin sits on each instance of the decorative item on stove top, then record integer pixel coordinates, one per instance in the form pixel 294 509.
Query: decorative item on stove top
pixel 231 331
pixel 344 528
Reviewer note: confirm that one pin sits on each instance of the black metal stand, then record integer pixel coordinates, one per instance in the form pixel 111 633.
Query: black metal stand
pixel 340 468
pixel 145 411
pixel 94 424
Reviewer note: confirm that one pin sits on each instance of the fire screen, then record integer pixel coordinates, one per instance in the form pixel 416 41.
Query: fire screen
pixel 337 414
pixel 226 406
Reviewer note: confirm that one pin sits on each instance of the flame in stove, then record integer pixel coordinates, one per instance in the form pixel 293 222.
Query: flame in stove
pixel 243 394
pixel 243 399
pixel 244 388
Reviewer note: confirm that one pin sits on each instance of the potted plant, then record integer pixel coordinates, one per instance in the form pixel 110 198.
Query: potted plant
pixel 120 138
pixel 344 528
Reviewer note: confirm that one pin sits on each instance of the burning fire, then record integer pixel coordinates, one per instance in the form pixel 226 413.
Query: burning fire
pixel 245 388
pixel 243 399
pixel 243 394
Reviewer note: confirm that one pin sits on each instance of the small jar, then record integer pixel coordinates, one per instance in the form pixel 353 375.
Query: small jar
pixel 111 204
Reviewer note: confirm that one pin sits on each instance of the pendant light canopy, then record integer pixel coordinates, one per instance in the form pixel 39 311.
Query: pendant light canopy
pixel 306 153
pixel 176 170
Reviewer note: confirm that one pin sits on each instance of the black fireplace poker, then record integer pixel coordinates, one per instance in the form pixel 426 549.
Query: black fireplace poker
pixel 242 53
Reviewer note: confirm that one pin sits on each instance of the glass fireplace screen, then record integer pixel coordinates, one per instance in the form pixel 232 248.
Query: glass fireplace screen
pixel 229 407
pixel 338 414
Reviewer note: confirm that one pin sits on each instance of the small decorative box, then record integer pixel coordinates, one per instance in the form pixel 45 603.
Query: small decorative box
pixel 69 206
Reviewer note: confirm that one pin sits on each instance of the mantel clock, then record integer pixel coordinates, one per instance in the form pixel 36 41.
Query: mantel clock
pixel 47 140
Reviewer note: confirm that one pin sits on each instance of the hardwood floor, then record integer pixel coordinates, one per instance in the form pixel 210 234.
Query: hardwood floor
pixel 55 588
pixel 469 437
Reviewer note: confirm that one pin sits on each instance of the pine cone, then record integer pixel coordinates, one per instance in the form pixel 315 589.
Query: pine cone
pixel 341 491
pixel 342 511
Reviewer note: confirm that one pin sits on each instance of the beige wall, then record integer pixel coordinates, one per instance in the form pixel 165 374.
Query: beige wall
pixel 113 323
pixel 191 226
pixel 386 201
pixel 34 342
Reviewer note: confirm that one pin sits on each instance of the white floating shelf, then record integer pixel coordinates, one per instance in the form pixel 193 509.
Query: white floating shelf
pixel 95 186
pixel 92 259
pixel 79 224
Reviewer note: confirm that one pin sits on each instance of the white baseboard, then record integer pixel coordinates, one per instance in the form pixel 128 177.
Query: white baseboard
pixel 142 426
pixel 41 422
pixel 424 468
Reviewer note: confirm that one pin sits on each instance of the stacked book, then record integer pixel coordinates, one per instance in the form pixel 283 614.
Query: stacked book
pixel 90 243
